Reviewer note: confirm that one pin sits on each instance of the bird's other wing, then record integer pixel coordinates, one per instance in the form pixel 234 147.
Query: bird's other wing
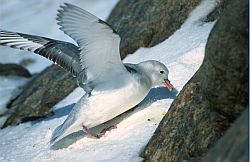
pixel 98 44
pixel 62 53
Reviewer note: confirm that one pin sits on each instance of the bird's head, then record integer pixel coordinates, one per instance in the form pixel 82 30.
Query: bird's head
pixel 157 72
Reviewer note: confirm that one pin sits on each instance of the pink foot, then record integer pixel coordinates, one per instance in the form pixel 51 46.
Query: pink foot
pixel 102 133
pixel 107 129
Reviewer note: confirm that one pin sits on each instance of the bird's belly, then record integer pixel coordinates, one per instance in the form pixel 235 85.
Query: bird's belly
pixel 105 106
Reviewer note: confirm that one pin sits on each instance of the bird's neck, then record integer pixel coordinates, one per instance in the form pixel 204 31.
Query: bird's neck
pixel 147 74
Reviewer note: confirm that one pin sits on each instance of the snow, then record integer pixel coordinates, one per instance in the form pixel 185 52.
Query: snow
pixel 183 53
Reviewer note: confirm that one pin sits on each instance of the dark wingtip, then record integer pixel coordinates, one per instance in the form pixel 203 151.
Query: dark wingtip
pixel 62 6
pixel 59 13
pixel 68 5
pixel 59 17
pixel 105 23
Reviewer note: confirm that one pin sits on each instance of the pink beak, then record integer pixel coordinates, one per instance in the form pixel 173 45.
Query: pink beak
pixel 168 84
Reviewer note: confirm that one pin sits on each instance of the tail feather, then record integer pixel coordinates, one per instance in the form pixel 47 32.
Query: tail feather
pixel 57 132
pixel 71 124
pixel 62 130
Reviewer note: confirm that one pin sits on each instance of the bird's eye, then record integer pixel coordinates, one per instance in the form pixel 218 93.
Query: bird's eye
pixel 162 72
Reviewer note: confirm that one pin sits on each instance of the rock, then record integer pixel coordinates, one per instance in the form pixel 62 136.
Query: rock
pixel 225 67
pixel 186 131
pixel 233 146
pixel 40 94
pixel 215 96
pixel 147 23
pixel 14 70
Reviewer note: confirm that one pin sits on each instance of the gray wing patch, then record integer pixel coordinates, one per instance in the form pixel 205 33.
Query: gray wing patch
pixel 16 40
pixel 35 39
pixel 131 68
pixel 62 53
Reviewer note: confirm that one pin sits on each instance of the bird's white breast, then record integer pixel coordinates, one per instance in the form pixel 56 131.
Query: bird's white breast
pixel 105 105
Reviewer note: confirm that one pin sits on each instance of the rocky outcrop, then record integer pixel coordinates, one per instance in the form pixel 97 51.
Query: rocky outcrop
pixel 186 131
pixel 233 146
pixel 212 100
pixel 225 68
pixel 40 94
pixel 147 23
pixel 140 24
pixel 13 70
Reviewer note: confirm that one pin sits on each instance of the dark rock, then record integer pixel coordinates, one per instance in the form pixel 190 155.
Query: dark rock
pixel 147 23
pixel 225 68
pixel 40 94
pixel 186 131
pixel 211 101
pixel 233 146
pixel 14 69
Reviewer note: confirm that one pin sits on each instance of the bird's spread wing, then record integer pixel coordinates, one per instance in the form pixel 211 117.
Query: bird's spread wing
pixel 98 44
pixel 62 53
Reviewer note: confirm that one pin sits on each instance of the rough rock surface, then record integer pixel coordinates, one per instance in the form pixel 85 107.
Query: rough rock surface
pixel 225 69
pixel 233 146
pixel 147 23
pixel 211 101
pixel 14 70
pixel 40 94
pixel 140 24
pixel 187 129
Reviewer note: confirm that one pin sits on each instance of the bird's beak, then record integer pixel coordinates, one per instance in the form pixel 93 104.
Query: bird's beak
pixel 168 84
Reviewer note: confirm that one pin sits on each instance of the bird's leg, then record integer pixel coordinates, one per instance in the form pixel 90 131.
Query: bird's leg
pixel 107 129
pixel 89 132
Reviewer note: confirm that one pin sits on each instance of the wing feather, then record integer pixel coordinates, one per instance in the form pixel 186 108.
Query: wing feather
pixel 62 53
pixel 98 43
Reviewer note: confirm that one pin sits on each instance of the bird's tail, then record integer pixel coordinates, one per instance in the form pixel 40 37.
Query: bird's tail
pixel 62 130
pixel 57 132
pixel 70 125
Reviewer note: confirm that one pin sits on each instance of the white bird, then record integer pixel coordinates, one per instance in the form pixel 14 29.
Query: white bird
pixel 111 86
